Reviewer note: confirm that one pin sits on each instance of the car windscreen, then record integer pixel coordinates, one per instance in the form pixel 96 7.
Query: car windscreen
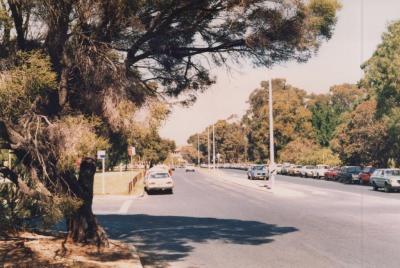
pixel 258 167
pixel 368 170
pixel 393 172
pixel 159 175
pixel 354 169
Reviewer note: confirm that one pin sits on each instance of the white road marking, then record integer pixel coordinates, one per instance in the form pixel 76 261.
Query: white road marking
pixel 125 207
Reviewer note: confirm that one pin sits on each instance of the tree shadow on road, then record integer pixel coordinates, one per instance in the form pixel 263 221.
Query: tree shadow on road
pixel 162 239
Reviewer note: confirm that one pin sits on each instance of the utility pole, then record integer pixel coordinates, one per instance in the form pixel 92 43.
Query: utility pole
pixel 208 145
pixel 198 149
pixel 271 168
pixel 214 146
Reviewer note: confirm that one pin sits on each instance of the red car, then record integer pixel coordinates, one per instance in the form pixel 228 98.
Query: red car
pixel 365 175
pixel 331 174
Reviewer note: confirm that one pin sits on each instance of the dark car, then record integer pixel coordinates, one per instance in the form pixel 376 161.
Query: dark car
pixel 365 175
pixel 349 174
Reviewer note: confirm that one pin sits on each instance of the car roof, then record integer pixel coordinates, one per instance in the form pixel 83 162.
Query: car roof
pixel 158 169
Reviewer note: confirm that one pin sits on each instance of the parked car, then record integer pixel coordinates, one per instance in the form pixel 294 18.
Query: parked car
pixel 158 179
pixel 365 175
pixel 331 174
pixel 308 171
pixel 388 179
pixel 295 170
pixel 257 172
pixel 285 169
pixel 278 168
pixel 320 171
pixel 349 174
pixel 190 168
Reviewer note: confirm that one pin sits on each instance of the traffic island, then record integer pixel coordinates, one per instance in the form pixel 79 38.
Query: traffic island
pixel 34 250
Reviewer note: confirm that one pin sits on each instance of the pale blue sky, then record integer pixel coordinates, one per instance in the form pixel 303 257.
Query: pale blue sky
pixel 337 62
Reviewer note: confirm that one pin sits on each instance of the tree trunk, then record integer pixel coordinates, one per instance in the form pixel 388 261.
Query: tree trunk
pixel 83 226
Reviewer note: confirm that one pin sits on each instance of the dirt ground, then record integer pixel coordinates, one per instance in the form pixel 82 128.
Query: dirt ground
pixel 33 250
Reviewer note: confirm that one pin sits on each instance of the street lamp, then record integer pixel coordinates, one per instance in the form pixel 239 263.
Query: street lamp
pixel 271 169
pixel 208 146
pixel 213 146
pixel 198 150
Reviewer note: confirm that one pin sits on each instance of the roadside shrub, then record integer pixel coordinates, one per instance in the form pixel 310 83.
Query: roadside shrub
pixel 18 211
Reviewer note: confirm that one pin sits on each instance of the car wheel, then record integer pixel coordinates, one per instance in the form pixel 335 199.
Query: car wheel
pixel 171 191
pixel 387 188
pixel 374 186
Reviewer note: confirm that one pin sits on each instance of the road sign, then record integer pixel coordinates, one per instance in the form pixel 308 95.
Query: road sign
pixel 101 154
pixel 131 151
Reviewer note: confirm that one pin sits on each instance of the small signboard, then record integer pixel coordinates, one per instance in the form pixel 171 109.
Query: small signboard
pixel 131 151
pixel 101 154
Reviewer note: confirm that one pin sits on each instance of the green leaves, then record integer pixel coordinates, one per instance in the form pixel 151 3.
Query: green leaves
pixel 382 70
pixel 28 82
pixel 323 16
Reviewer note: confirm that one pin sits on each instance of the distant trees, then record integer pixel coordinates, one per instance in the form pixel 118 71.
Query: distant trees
pixel 328 109
pixel 292 119
pixel 362 139
pixel 307 152
pixel 229 141
pixel 382 71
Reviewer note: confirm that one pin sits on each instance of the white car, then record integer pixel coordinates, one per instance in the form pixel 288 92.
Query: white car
pixel 320 171
pixel 308 171
pixel 158 179
pixel 388 179
pixel 190 168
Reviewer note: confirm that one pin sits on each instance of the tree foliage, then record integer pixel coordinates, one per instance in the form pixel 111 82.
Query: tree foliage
pixel 292 119
pixel 328 109
pixel 307 152
pixel 362 139
pixel 382 70
pixel 229 142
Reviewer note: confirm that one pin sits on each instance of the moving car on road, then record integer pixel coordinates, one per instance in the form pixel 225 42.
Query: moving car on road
pixel 257 172
pixel 158 179
pixel 349 174
pixel 365 175
pixel 190 168
pixel 388 179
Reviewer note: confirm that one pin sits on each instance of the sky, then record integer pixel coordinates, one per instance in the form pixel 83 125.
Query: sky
pixel 338 61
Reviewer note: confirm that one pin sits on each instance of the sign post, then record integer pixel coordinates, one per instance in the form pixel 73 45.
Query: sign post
pixel 102 155
pixel 131 153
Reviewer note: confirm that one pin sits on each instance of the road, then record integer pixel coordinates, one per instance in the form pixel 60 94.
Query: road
pixel 224 220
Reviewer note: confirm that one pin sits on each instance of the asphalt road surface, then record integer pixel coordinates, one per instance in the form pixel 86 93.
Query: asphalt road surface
pixel 225 220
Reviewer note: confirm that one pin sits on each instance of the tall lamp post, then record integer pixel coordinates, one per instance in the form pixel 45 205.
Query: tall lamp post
pixel 213 146
pixel 271 169
pixel 198 149
pixel 208 145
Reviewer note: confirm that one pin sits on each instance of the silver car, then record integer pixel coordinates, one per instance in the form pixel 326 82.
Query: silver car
pixel 388 179
pixel 257 172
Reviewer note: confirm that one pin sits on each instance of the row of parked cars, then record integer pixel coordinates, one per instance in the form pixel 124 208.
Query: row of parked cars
pixel 387 179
